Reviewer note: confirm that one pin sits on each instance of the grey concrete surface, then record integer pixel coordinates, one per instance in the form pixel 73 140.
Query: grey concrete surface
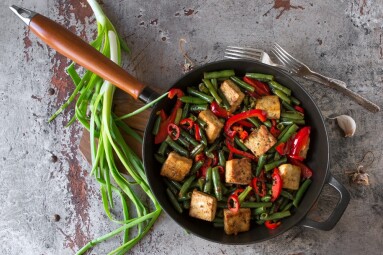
pixel 343 39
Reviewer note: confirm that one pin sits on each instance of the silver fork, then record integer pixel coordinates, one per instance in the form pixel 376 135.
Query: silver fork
pixel 300 69
pixel 235 52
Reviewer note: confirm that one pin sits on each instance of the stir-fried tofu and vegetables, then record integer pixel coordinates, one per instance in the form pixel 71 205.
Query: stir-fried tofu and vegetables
pixel 233 151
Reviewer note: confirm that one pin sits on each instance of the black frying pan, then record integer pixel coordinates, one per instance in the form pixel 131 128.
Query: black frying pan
pixel 318 160
pixel 79 51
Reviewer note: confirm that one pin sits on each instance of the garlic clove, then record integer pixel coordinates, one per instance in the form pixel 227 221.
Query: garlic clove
pixel 347 124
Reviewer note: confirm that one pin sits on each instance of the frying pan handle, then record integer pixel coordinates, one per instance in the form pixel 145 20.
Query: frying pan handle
pixel 338 210
pixel 74 48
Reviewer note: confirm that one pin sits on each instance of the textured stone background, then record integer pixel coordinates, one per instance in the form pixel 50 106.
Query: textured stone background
pixel 42 172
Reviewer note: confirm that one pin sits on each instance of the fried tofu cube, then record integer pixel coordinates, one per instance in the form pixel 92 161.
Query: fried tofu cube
pixel 235 223
pixel 271 105
pixel 291 176
pixel 176 167
pixel 214 125
pixel 203 206
pixel 238 171
pixel 233 94
pixel 260 141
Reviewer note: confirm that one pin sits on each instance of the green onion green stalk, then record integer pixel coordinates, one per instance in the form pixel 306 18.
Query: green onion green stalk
pixel 93 110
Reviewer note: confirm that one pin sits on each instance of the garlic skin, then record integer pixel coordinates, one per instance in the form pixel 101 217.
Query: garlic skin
pixel 347 124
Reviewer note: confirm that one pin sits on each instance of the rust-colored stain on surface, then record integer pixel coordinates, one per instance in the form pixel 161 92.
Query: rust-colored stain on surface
pixel 27 44
pixel 189 12
pixel 362 6
pixel 77 185
pixel 285 5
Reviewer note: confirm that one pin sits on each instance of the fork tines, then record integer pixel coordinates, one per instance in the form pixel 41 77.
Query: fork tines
pixel 235 52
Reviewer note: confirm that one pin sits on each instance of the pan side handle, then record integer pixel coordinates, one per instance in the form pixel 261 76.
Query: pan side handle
pixel 338 210
pixel 74 48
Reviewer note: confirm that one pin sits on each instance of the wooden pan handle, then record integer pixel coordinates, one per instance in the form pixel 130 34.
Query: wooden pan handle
pixel 74 48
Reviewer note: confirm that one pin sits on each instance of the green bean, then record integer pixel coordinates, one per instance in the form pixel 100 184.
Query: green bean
pixel 196 166
pixel 287 194
pixel 176 184
pixel 261 163
pixel 178 116
pixel 287 106
pixel 193 118
pixel 295 100
pixel 302 189
pixel 159 158
pixel 214 83
pixel 267 123
pixel 280 127
pixel 199 107
pixel 156 125
pixel 255 121
pixel 260 222
pixel 242 84
pixel 192 100
pixel 218 220
pixel 280 87
pixel 260 210
pixel 162 149
pixel 199 94
pixel 178 148
pixel 283 131
pixel 286 136
pixel 218 74
pixel 187 196
pixel 201 123
pixel 277 156
pixel 213 92
pixel 276 216
pixel 266 198
pixel 292 121
pixel 282 95
pixel 218 225
pixel 186 185
pixel 275 164
pixel 171 186
pixel 221 158
pixel 189 137
pixel 213 147
pixel 198 149
pixel 287 207
pixel 186 204
pixel 209 181
pixel 224 103
pixel 183 141
pixel 221 204
pixel 260 76
pixel 284 204
pixel 293 115
pixel 240 144
pixel 244 194
pixel 174 201
pixel 224 189
pixel 201 183
pixel 256 204
pixel 203 136
pixel 217 183
pixel 203 88
pixel 185 111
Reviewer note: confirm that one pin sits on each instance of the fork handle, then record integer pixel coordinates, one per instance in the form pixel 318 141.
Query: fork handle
pixel 333 83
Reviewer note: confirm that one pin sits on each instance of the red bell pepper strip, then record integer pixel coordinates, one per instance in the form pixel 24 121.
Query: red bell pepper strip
pixel 276 189
pixel 300 142
pixel 242 133
pixel 234 206
pixel 219 111
pixel 275 132
pixel 282 148
pixel 197 134
pixel 260 114
pixel 260 88
pixel 200 156
pixel 189 123
pixel 173 131
pixel 306 172
pixel 163 132
pixel 232 149
pixel 272 225
pixel 299 109
pixel 253 94
pixel 245 123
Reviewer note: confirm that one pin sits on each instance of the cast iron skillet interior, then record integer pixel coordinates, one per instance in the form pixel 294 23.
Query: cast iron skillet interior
pixel 318 156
